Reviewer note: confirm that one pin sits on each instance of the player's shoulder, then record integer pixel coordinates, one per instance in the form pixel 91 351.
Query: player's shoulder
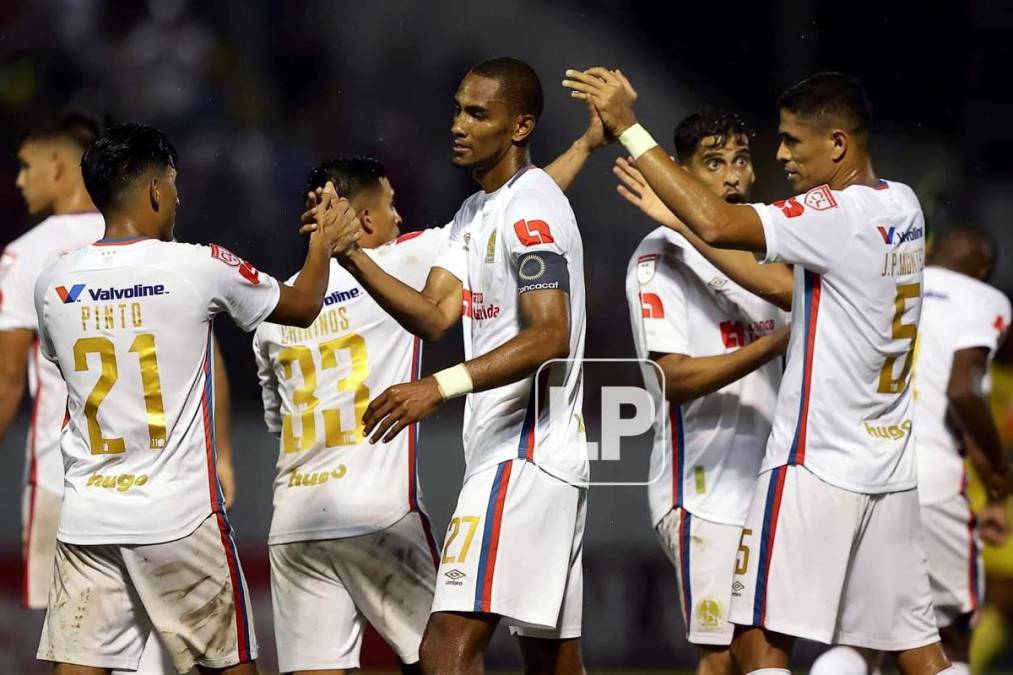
pixel 534 184
pixel 884 195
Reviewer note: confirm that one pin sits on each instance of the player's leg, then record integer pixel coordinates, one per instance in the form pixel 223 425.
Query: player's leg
pixel 94 622
pixel 67 669
pixel 841 660
pixel 551 657
pixel 195 595
pixel 792 564
pixel 887 602
pixel 307 594
pixel 704 556
pixel 154 661
pixel 390 576
pixel 454 642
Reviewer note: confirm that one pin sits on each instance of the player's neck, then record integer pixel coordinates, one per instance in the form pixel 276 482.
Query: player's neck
pixel 856 172
pixel 74 201
pixel 498 174
pixel 123 226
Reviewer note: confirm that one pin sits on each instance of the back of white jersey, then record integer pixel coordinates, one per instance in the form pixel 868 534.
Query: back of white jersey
pixel 959 313
pixel 316 383
pixel 129 325
pixel 709 451
pixel 845 409
pixel 491 235
pixel 22 262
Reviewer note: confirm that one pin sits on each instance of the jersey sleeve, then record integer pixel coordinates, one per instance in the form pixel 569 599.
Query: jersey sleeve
pixel 410 257
pixel 663 306
pixel 812 230
pixel 269 386
pixel 38 295
pixel 538 235
pixel 453 255
pixel 18 273
pixel 236 287
pixel 984 323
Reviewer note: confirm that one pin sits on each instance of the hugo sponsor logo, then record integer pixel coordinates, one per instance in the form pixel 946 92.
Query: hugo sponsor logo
pixel 893 432
pixel 313 478
pixel 121 482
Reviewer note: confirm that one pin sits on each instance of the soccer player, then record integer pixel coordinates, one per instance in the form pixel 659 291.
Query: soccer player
pixel 143 541
pixel 717 346
pixel 838 481
pixel 513 549
pixel 963 322
pixel 50 183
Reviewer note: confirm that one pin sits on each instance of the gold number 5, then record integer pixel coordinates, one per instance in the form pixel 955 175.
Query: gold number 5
pixel 888 384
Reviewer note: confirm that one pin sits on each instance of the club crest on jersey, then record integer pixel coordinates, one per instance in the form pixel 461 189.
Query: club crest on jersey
pixel 533 232
pixel 248 271
pixel 645 267
pixel 820 198
pixel 69 296
pixel 490 248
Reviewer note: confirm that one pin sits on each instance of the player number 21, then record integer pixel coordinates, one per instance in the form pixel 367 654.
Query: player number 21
pixel 144 346
pixel 888 384
pixel 305 397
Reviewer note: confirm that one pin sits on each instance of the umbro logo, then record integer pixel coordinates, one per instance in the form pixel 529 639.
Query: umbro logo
pixel 454 576
pixel 737 589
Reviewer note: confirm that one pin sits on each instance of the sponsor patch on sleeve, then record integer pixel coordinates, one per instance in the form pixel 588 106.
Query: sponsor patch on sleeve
pixel 541 271
pixel 820 198
pixel 645 267
pixel 246 270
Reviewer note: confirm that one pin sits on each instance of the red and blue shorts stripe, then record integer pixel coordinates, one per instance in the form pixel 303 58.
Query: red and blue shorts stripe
pixel 678 452
pixel 811 307
pixel 490 537
pixel 685 523
pixel 775 490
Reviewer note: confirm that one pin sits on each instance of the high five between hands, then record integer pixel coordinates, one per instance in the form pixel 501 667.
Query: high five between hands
pixel 609 92
pixel 332 218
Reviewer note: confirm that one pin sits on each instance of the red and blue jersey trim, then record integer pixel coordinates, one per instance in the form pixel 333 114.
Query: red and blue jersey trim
pixel 685 522
pixel 678 452
pixel 123 241
pixel 811 309
pixel 490 537
pixel 413 474
pixel 771 510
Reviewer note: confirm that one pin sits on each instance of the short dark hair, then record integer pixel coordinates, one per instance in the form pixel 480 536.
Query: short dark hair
pixel 119 155
pixel 830 95
pixel 520 83
pixel 75 126
pixel 698 126
pixel 350 175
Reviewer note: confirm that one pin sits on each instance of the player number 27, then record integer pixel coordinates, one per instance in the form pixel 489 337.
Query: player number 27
pixel 471 523
pixel 305 397
pixel 144 346
pixel 888 384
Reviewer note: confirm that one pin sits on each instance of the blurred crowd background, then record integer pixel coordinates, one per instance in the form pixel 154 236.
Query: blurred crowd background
pixel 254 94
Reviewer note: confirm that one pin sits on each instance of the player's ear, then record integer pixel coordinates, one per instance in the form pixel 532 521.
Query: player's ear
pixel 154 197
pixel 367 221
pixel 838 144
pixel 525 127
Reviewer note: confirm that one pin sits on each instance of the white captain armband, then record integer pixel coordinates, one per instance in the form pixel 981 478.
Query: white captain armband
pixel 542 271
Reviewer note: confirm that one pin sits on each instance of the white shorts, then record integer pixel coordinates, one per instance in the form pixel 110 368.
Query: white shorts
pixel 703 553
pixel 826 564
pixel 106 599
pixel 514 548
pixel 954 553
pixel 40 516
pixel 324 592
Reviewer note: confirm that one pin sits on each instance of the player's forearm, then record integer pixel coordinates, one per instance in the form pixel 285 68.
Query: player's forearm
pixel 774 283
pixel 984 446
pixel 564 169
pixel 417 313
pixel 12 388
pixel 706 214
pixel 520 356
pixel 690 378
pixel 300 303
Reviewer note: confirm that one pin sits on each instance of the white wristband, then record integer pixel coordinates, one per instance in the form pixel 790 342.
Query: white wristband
pixel 454 382
pixel 637 141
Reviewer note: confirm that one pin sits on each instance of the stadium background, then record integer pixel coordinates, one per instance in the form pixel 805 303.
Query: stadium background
pixel 253 94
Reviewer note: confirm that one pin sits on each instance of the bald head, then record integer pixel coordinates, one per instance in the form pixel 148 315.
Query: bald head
pixel 967 251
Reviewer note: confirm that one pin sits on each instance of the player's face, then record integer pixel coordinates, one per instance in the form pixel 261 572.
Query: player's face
pixel 168 203
pixel 380 215
pixel 483 124
pixel 727 169
pixel 37 178
pixel 805 152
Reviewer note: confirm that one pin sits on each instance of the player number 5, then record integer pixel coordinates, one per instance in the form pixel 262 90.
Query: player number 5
pixel 888 384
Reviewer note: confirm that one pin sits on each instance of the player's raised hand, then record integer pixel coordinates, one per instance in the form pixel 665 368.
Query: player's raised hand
pixel 595 136
pixel 308 221
pixel 634 188
pixel 337 222
pixel 398 406
pixel 609 91
pixel 993 524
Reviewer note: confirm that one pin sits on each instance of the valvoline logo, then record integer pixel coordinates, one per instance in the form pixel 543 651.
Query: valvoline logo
pixel 111 293
pixel 342 296
pixel 69 296
pixel 889 234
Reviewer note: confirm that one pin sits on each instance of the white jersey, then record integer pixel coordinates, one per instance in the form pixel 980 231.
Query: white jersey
pixel 316 383
pixel 959 313
pixel 22 262
pixel 709 451
pixel 129 325
pixel 845 409
pixel 490 235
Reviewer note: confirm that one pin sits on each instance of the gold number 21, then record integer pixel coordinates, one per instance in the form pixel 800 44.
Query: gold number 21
pixel 144 347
